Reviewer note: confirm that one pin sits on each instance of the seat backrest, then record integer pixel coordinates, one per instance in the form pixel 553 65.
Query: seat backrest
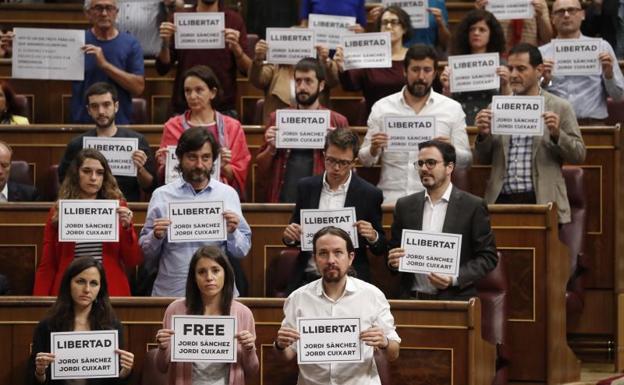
pixel 23 107
pixel 461 179
pixel 280 272
pixel 616 112
pixel 52 184
pixel 573 234
pixel 139 111
pixel 150 375
pixel 258 114
pixel 383 367
pixel 20 173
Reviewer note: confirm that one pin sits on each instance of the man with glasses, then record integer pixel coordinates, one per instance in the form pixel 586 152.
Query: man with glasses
pixel 102 107
pixel 110 56
pixel 279 170
pixel 336 188
pixel 417 98
pixel 587 93
pixel 443 208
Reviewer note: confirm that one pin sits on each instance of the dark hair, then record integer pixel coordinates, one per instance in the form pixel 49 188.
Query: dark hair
pixel 447 150
pixel 343 138
pixel 61 315
pixel 404 20
pixel 194 303
pixel 193 139
pixel 101 88
pixel 205 74
pixel 10 101
pixel 311 64
pixel 333 230
pixel 461 39
pixel 70 188
pixel 421 52
pixel 535 56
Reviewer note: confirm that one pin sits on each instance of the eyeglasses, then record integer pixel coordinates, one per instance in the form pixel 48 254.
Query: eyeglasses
pixel 101 8
pixel 430 163
pixel 337 162
pixel 391 22
pixel 571 11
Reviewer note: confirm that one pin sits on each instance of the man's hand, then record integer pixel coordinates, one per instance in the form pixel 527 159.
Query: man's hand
pixel 90 49
pixel 366 230
pixel 394 257
pixel 379 140
pixel 375 337
pixel 541 8
pixel 551 120
pixel 547 74
pixel 139 158
pixel 286 336
pixel 231 220
pixel 160 227
pixel 292 232
pixel 269 136
pixel 167 29
pixel 606 61
pixel 483 121
pixel 437 14
pixel 232 37
pixel 440 281
pixel 260 50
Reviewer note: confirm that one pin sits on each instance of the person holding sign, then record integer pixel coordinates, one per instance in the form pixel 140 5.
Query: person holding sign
pixel 279 170
pixel 224 61
pixel 110 56
pixel 587 91
pixel 196 151
pixel 336 295
pixel 443 208
pixel 82 305
pixel 527 169
pixel 201 91
pixel 88 177
pixel 477 33
pixel 209 292
pixel 336 188
pixel 417 98
pixel 103 105
pixel 338 8
pixel 376 83
pixel 8 106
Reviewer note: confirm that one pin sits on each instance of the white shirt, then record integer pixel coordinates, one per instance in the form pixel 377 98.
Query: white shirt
pixel 4 194
pixel 433 221
pixel 359 300
pixel 398 176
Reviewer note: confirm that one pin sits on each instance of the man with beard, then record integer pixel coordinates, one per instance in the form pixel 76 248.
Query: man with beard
pixel 415 99
pixel 443 208
pixel 527 169
pixel 196 151
pixel 336 295
pixel 279 170
pixel 102 106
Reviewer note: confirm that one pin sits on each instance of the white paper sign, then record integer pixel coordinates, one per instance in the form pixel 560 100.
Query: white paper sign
pixel 328 340
pixel 171 164
pixel 427 252
pixel 301 128
pixel 87 354
pixel 313 220
pixel 518 115
pixel 577 57
pixel 367 50
pixel 199 30
pixel 117 151
pixel 42 53
pixel 329 28
pixel 511 9
pixel 193 221
pixel 406 132
pixel 86 220
pixel 203 339
pixel 416 9
pixel 474 72
pixel 289 45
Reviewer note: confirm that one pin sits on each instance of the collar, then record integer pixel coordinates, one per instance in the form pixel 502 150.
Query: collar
pixel 341 189
pixel 433 96
pixel 5 191
pixel 349 288
pixel 445 197
pixel 182 184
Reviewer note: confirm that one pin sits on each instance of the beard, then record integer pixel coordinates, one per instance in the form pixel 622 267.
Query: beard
pixel 418 89
pixel 332 275
pixel 309 100
pixel 107 123
pixel 196 175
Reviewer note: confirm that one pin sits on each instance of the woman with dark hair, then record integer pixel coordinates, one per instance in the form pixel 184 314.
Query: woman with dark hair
pixel 376 83
pixel 8 106
pixel 209 292
pixel 82 305
pixel 478 32
pixel 89 177
pixel 201 90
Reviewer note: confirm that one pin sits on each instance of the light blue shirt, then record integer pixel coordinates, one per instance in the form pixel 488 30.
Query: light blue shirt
pixel 173 258
pixel 587 94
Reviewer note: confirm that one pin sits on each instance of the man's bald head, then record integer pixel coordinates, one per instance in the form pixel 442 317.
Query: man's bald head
pixel 5 163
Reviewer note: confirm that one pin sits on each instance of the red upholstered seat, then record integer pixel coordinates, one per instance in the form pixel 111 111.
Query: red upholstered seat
pixel 150 375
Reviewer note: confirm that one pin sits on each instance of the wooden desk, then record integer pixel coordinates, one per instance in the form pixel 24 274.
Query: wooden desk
pixel 537 272
pixel 441 341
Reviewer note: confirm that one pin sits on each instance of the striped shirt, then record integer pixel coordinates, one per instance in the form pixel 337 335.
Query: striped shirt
pixel 89 249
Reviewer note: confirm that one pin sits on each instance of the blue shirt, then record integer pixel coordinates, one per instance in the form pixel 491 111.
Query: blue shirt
pixel 125 53
pixel 173 258
pixel 335 7
pixel 429 35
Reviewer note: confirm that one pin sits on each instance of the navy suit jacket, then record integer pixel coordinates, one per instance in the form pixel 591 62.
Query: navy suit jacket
pixel 19 192
pixel 467 215
pixel 366 199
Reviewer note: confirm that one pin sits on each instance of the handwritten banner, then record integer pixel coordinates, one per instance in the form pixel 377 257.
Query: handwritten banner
pixel 203 339
pixel 85 354
pixel 117 151
pixel 199 30
pixel 367 50
pixel 84 220
pixel 196 221
pixel 328 340
pixel 577 57
pixel 474 72
pixel 406 132
pixel 289 45
pixel 427 252
pixel 518 115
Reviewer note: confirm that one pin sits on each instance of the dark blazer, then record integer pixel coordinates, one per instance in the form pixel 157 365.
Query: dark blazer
pixel 19 192
pixel 467 215
pixel 366 199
